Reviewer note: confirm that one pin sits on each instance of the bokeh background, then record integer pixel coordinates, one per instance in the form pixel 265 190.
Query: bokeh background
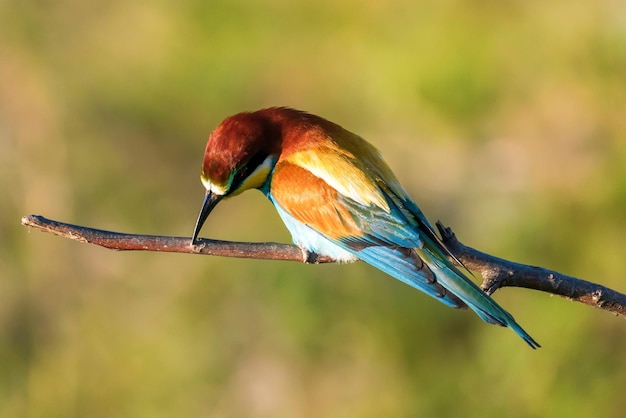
pixel 505 120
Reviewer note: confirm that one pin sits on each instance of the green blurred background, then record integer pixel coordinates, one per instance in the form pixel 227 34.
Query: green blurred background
pixel 506 120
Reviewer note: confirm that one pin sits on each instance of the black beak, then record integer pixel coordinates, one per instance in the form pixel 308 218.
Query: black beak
pixel 210 200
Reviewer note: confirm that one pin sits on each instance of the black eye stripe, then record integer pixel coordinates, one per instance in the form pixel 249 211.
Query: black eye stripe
pixel 255 161
pixel 247 169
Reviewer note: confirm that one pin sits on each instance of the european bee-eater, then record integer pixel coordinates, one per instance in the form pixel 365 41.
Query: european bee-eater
pixel 338 198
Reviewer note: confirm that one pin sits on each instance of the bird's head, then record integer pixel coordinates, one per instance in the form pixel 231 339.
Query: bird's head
pixel 240 155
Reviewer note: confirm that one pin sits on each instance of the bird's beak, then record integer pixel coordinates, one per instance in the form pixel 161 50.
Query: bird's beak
pixel 210 200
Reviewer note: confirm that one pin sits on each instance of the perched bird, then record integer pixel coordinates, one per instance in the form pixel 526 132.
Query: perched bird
pixel 338 198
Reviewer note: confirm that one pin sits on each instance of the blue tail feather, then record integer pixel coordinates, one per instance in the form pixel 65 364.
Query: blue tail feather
pixel 485 307
pixel 404 266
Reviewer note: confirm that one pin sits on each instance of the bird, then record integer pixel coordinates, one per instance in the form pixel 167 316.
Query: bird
pixel 338 198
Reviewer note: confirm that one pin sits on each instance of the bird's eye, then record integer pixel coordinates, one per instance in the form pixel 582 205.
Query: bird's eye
pixel 242 174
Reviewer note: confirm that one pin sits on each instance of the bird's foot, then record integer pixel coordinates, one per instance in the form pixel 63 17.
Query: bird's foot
pixel 309 257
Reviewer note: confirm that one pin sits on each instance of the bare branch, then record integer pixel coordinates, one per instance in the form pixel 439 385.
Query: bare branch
pixel 496 272
pixel 133 242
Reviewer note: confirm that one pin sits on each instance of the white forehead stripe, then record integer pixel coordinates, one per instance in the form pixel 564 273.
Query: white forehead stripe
pixel 213 188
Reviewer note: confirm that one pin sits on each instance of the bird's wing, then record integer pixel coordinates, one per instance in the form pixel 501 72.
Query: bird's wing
pixel 377 222
pixel 372 233
pixel 433 253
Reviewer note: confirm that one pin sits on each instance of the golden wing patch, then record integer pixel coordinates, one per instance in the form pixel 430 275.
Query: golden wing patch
pixel 335 167
pixel 312 201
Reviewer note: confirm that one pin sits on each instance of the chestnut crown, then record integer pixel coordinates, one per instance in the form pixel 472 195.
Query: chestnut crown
pixel 240 153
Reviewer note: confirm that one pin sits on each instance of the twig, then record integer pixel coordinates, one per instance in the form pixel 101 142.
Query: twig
pixel 496 272
pixel 134 242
